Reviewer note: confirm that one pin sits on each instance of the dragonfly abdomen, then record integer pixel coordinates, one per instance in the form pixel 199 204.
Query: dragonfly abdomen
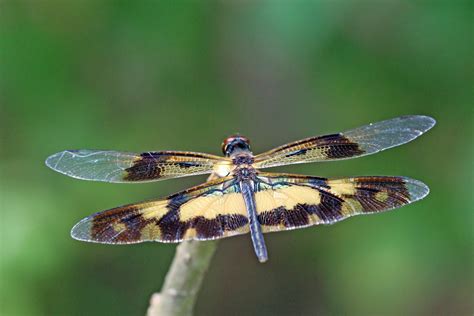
pixel 247 190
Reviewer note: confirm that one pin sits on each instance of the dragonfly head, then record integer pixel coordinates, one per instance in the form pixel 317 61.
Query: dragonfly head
pixel 234 144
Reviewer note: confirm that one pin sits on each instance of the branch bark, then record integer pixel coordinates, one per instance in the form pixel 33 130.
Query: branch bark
pixel 184 278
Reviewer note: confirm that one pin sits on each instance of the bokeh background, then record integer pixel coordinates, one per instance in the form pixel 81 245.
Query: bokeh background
pixel 156 75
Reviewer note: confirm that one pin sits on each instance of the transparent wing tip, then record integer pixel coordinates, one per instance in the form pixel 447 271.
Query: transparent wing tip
pixel 422 123
pixel 55 161
pixel 82 230
pixel 94 165
pixel 417 189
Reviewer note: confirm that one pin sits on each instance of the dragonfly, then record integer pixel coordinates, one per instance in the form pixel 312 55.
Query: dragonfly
pixel 240 198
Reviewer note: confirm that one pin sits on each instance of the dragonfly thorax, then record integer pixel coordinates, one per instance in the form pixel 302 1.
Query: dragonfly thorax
pixel 244 173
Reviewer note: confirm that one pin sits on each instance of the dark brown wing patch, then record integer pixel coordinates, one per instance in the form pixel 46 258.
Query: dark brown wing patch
pixel 127 223
pixel 377 195
pixel 329 147
pixel 156 165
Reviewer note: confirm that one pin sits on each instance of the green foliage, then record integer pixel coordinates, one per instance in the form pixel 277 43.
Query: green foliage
pixel 154 75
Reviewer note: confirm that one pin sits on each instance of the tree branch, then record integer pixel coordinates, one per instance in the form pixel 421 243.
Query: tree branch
pixel 184 278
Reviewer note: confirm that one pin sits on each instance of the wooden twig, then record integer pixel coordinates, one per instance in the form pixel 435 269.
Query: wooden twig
pixel 184 278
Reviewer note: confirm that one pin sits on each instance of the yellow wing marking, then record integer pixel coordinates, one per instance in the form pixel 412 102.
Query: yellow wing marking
pixel 151 232
pixel 286 197
pixel 213 205
pixel 381 196
pixel 342 187
pixel 223 168
pixel 154 209
pixel 119 227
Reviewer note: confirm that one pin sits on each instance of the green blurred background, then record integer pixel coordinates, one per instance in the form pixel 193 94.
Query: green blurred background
pixel 156 75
